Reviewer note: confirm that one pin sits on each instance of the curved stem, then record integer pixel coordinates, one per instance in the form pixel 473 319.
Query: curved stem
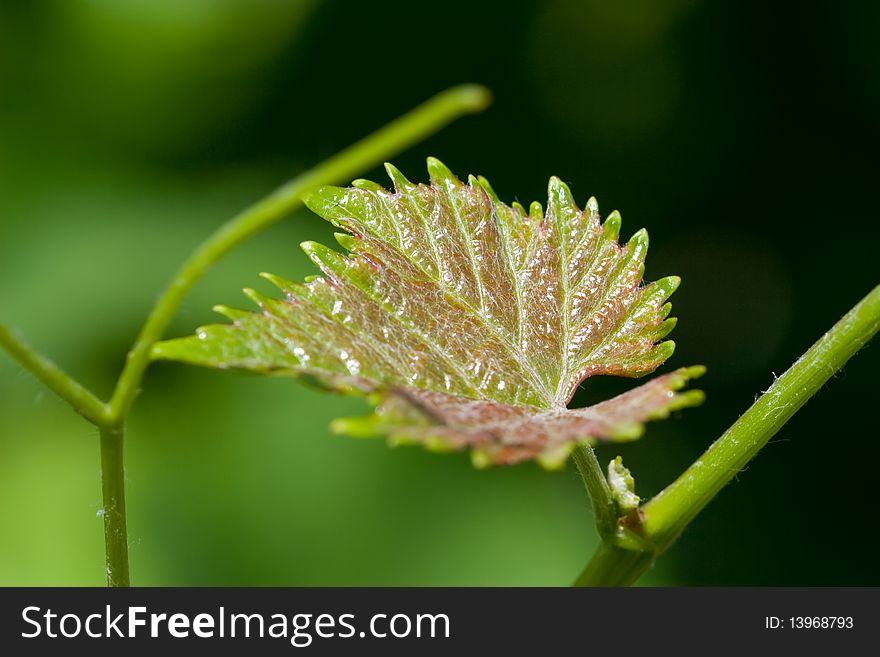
pixel 666 515
pixel 57 380
pixel 394 137
pixel 113 493
pixel 410 128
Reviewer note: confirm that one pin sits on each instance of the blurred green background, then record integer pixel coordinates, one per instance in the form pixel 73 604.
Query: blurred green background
pixel 743 135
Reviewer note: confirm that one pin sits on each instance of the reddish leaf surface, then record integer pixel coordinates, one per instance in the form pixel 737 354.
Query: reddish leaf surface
pixel 469 323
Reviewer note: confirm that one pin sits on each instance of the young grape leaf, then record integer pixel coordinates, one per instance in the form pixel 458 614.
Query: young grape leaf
pixel 466 322
pixel 623 487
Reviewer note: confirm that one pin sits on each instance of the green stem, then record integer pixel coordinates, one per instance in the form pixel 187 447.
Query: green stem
pixel 113 491
pixel 412 127
pixel 665 516
pixel 604 507
pixel 57 380
pixel 613 565
pixel 396 136
pixel 674 508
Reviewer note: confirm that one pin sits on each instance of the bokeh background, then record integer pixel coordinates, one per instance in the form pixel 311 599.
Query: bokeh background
pixel 744 135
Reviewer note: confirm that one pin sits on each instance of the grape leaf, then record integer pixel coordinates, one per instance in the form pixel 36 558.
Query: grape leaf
pixel 466 322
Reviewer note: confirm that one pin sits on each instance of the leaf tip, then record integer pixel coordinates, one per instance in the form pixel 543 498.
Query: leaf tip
pixel 611 227
pixel 322 199
pixel 281 283
pixel 592 206
pixel 439 173
pixel 693 372
pixel 558 193
pixel 682 400
pixel 640 238
pixel 400 182
pixel 354 427
pixel 668 284
pixel 536 211
pixel 690 398
pixel 346 241
pixel 310 248
pixel 666 325
pixel 629 430
pixel 482 183
pixel 555 457
pixel 254 296
pixel 368 185
pixel 665 349
pixel 229 313
pixel 560 202
pixel 438 445
pixel 480 459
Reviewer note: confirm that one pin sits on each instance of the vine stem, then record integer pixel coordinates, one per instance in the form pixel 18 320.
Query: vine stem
pixel 394 137
pixel 613 565
pixel 666 515
pixel 416 125
pixel 113 494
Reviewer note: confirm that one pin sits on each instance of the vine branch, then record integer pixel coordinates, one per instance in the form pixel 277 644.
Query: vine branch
pixel 667 514
pixel 53 377
pixel 416 125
